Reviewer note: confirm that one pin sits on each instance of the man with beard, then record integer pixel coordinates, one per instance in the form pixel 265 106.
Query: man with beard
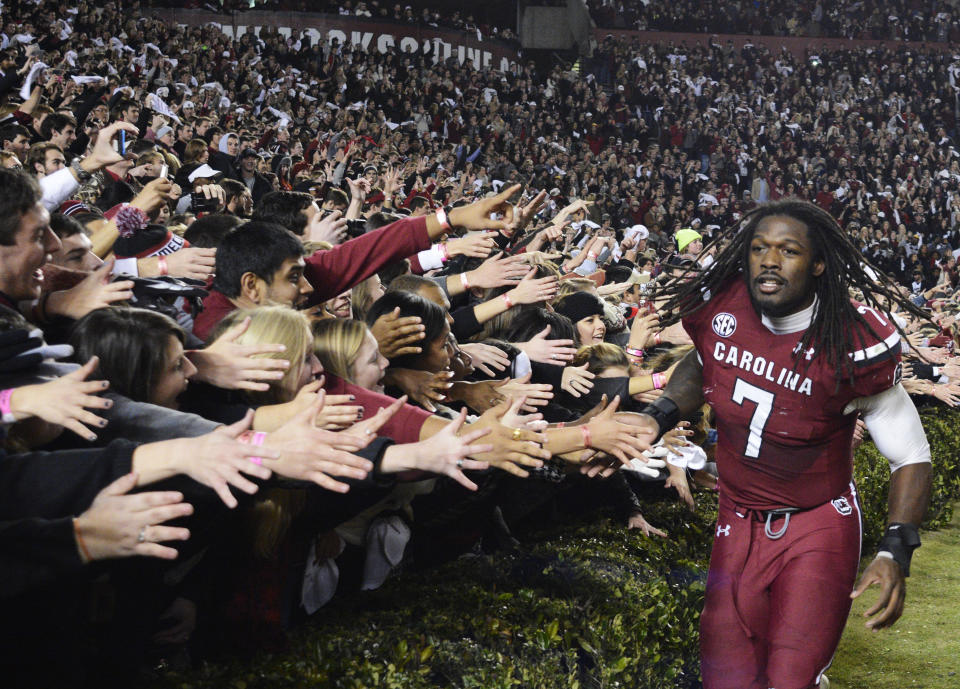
pixel 787 361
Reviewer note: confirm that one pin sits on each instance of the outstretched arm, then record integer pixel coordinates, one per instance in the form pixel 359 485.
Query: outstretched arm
pixel 682 395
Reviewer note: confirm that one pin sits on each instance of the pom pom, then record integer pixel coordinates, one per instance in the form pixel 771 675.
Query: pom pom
pixel 130 220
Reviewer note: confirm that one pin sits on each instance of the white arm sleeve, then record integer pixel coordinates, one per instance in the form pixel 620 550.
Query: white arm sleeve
pixel 894 425
pixel 430 259
pixel 57 188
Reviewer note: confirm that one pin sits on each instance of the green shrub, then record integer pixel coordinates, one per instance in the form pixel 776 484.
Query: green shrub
pixel 586 605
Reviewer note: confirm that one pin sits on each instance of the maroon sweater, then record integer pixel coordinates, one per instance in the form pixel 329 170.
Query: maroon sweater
pixel 334 271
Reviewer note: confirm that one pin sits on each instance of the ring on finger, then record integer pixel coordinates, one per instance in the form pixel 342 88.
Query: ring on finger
pixel 460 463
pixel 142 536
pixel 516 434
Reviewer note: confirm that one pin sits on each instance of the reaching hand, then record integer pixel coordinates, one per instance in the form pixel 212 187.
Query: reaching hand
pixel 498 270
pixel 192 263
pixel 473 246
pixel 217 459
pixel 232 366
pixel 531 289
pixel 93 292
pixel 487 357
pixel 535 394
pixel 154 194
pixel 524 214
pixel 476 216
pixel 363 432
pixel 330 228
pixel 423 387
pixel 512 448
pixel 306 453
pixel 359 188
pixel 577 380
pixel 119 525
pixel 397 336
pixel 678 481
pixel 443 453
pixel 623 441
pixel 548 351
pixel 676 438
pixel 637 521
pixel 64 401
pixel 643 330
pixel 336 412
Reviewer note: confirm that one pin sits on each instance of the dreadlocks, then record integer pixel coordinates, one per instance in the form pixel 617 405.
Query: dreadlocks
pixel 833 330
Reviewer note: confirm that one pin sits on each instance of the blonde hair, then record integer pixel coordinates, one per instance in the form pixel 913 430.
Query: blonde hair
pixel 272 515
pixel 311 247
pixel 274 325
pixel 599 357
pixel 336 342
pixel 571 285
pixel 150 156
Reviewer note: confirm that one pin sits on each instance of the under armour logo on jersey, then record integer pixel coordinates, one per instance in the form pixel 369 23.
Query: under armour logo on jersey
pixel 724 324
pixel 723 530
pixel 842 506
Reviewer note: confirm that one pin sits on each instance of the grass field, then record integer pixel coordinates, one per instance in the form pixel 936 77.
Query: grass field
pixel 923 648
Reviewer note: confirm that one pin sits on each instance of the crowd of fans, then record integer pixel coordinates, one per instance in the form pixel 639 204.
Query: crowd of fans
pixel 905 20
pixel 280 317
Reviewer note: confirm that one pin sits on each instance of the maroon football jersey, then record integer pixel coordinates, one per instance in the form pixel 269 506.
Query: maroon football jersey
pixel 782 437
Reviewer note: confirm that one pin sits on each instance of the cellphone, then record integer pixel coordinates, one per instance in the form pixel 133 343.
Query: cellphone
pixel 120 146
pixel 164 170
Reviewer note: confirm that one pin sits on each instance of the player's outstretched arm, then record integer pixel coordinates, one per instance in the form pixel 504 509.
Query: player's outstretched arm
pixel 682 395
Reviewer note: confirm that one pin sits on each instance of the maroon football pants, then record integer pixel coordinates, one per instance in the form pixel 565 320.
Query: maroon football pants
pixel 775 608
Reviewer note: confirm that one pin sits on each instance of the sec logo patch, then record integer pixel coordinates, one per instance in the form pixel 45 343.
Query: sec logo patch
pixel 724 324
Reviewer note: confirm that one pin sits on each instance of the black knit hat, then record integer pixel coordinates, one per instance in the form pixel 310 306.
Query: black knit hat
pixel 578 306
pixel 140 239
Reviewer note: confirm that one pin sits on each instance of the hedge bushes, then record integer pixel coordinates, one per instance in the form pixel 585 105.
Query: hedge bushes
pixel 583 606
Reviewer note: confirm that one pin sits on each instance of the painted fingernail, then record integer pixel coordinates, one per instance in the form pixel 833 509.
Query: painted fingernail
pixel 353 397
pixel 102 423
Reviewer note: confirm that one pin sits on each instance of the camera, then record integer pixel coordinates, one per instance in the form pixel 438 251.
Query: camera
pixel 200 204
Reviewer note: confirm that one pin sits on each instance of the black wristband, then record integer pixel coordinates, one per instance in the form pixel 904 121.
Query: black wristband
pixel 900 540
pixel 665 412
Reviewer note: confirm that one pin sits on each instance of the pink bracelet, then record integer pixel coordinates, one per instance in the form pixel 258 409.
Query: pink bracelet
pixel 466 283
pixel 659 380
pixel 635 352
pixel 506 300
pixel 5 412
pixel 585 432
pixel 656 338
pixel 162 265
pixel 444 252
pixel 253 438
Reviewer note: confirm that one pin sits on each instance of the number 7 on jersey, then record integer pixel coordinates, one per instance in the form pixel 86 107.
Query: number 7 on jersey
pixel 764 401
